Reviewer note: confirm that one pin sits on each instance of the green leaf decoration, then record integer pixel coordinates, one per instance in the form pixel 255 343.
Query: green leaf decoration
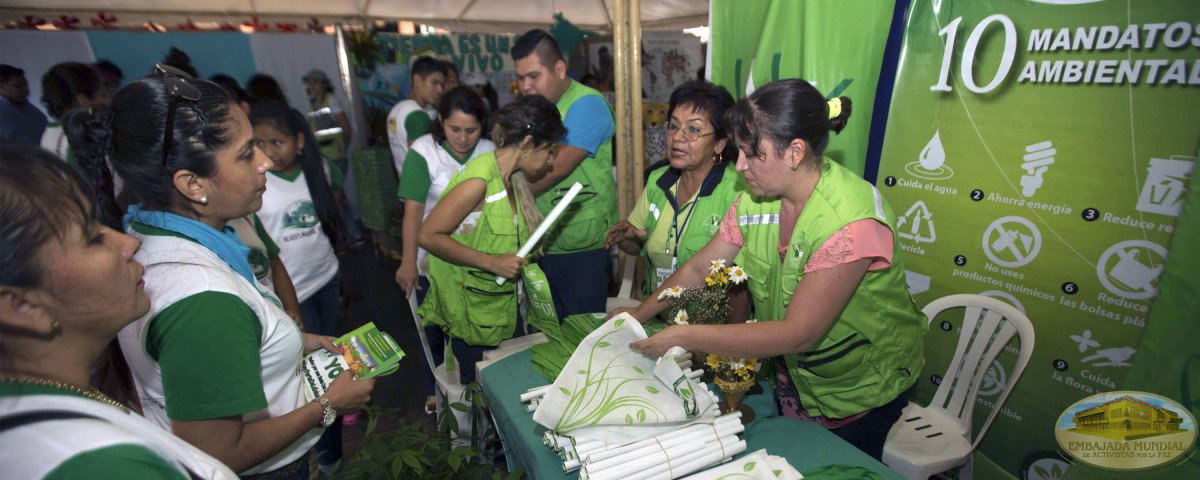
pixel 628 419
pixel 641 416
pixel 749 466
pixel 685 392
pixel 583 372
pixel 636 369
pixel 602 344
pixel 1041 471
pixel 618 322
pixel 651 389
pixel 564 391
pixel 1056 471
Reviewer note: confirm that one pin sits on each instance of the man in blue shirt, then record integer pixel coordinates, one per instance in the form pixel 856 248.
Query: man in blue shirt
pixel 20 121
pixel 576 260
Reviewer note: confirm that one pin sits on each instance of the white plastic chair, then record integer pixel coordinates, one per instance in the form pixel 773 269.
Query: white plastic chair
pixel 930 440
pixel 624 296
pixel 449 384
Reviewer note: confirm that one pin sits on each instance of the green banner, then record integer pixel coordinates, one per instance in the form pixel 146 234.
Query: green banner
pixel 837 46
pixel 540 311
pixel 1040 152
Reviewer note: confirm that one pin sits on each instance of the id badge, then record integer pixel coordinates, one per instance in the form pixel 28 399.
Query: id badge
pixel 663 273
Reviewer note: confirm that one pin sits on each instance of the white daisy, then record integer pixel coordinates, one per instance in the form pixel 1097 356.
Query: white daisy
pixel 681 317
pixel 737 275
pixel 737 364
pixel 717 265
pixel 673 292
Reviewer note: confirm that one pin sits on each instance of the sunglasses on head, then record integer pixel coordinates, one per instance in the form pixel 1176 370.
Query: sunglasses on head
pixel 179 86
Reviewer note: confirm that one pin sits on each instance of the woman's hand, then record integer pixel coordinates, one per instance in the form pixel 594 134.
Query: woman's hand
pixel 347 395
pixel 406 277
pixel 313 341
pixel 657 345
pixel 624 235
pixel 507 265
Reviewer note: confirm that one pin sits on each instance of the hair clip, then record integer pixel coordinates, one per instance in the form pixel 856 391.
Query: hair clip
pixel 835 108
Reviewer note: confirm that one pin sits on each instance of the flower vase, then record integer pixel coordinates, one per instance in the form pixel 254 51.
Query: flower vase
pixel 733 392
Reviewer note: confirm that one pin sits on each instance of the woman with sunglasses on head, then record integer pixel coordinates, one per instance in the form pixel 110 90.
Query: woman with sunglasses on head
pixel 485 213
pixel 67 285
pixel 216 360
pixel 825 273
pixel 683 202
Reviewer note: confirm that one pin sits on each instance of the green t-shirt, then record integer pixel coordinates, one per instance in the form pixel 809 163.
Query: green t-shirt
pixel 114 462
pixel 207 347
pixel 414 184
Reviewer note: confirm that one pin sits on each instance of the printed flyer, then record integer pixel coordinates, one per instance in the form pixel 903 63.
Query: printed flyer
pixel 366 351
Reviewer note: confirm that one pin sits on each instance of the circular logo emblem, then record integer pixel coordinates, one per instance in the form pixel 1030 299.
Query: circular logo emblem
pixel 1125 430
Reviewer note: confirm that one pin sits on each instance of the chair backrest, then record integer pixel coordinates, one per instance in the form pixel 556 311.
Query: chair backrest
pixel 412 304
pixel 627 276
pixel 988 325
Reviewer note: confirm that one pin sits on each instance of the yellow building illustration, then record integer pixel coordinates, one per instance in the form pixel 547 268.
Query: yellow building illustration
pixel 1126 418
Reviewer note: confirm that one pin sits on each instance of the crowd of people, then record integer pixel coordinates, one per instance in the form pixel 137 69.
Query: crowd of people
pixel 146 228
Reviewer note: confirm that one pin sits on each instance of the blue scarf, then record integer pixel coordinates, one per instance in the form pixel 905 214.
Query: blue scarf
pixel 224 243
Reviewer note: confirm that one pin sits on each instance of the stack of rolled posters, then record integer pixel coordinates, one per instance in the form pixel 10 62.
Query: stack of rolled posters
pixel 758 465
pixel 691 448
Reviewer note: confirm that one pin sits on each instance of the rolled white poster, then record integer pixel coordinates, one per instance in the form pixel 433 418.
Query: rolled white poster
pixel 546 224
pixel 684 432
pixel 708 434
pixel 665 456
pixel 711 454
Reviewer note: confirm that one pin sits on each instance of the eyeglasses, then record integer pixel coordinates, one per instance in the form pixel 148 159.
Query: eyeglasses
pixel 691 133
pixel 179 86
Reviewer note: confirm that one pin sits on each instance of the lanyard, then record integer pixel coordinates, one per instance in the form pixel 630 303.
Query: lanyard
pixel 676 227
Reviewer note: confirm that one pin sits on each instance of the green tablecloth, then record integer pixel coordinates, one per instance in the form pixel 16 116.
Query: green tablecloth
pixel 806 445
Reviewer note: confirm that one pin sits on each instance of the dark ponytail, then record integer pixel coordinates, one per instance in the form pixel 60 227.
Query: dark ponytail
pixel 291 123
pixel 89 133
pixel 782 111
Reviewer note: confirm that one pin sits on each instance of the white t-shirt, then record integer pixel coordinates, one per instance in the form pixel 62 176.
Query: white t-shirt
pixel 397 135
pixel 289 216
pixel 442 166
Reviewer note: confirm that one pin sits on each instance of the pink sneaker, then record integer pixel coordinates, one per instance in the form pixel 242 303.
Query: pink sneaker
pixel 352 418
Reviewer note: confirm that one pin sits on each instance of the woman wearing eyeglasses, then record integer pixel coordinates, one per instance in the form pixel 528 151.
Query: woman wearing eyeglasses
pixel 684 202
pixel 216 360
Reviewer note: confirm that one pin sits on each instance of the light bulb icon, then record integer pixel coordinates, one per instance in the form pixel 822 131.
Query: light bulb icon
pixel 1038 158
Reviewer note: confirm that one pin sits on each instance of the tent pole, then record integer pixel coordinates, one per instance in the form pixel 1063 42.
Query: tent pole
pixel 628 86
pixel 350 86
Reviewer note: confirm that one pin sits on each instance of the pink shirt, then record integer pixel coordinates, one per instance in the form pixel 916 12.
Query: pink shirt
pixel 866 238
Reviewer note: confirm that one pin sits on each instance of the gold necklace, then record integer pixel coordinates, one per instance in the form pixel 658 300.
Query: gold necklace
pixel 92 393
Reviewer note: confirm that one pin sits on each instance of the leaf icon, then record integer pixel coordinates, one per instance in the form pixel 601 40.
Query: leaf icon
pixel 565 391
pixel 1056 471
pixel 636 369
pixel 602 344
pixel 641 415
pixel 749 466
pixel 651 389
pixel 1042 472
pixel 618 322
pixel 583 372
pixel 628 419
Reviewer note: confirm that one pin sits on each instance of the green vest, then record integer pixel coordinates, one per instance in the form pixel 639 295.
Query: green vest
pixel 713 201
pixel 465 301
pixel 584 225
pixel 325 127
pixel 874 349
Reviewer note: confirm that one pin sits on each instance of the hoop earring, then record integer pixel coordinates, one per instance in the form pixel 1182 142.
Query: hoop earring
pixel 204 200
pixel 717 157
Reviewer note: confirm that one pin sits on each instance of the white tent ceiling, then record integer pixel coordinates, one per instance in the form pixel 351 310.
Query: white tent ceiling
pixel 455 15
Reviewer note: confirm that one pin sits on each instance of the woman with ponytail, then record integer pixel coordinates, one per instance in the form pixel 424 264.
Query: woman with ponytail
pixel 216 359
pixel 825 273
pixel 485 213
pixel 301 215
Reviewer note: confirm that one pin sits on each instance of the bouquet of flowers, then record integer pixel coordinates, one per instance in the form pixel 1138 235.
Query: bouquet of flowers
pixel 731 369
pixel 703 304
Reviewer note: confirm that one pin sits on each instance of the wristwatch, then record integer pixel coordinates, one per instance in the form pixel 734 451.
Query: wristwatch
pixel 328 414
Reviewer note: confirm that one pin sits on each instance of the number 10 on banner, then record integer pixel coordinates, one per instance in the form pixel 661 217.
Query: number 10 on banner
pixel 968 55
